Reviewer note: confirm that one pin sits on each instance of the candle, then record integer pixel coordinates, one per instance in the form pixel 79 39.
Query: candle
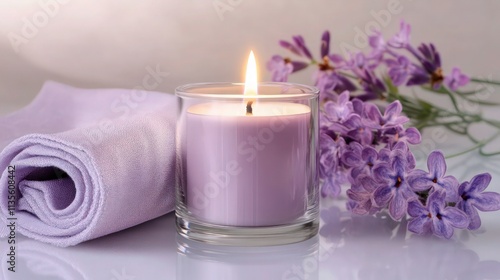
pixel 251 173
pixel 247 160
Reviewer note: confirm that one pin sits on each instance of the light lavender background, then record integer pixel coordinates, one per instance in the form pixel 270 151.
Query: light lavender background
pixel 111 43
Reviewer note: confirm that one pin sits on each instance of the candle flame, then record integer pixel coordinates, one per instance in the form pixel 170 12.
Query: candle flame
pixel 250 82
pixel 251 76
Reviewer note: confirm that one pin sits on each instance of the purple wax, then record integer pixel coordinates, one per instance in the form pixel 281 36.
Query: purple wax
pixel 247 170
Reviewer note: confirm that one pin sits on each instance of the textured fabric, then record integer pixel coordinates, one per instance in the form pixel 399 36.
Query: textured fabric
pixel 88 162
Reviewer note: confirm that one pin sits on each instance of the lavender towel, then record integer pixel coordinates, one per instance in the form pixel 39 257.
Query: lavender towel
pixel 88 162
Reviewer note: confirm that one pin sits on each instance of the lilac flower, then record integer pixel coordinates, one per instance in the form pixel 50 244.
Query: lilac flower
pixel 373 87
pixel 358 63
pixel 418 77
pixel 329 154
pixel 400 69
pixel 332 185
pixel 329 165
pixel 387 153
pixel 472 197
pixel 456 79
pixel 431 59
pixel 361 196
pixel 435 216
pixel 360 159
pixel 326 81
pixel 394 189
pixel 341 109
pixel 378 45
pixel 397 134
pixel 282 67
pixel 392 116
pixel 402 38
pixel 431 62
pixel 362 67
pixel 361 146
pixel 279 68
pixel 358 131
pixel 434 180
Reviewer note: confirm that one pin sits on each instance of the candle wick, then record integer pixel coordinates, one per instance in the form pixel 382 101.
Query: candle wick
pixel 249 108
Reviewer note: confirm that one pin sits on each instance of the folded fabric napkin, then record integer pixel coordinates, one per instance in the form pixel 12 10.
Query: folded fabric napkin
pixel 88 162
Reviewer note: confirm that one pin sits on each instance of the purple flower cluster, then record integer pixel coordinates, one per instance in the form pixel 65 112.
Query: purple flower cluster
pixel 369 150
pixel 358 72
pixel 423 67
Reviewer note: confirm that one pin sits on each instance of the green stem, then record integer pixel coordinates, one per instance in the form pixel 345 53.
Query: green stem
pixel 479 145
pixel 477 80
pixel 441 90
pixel 488 154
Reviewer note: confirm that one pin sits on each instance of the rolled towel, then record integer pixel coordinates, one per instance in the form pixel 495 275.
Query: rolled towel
pixel 88 162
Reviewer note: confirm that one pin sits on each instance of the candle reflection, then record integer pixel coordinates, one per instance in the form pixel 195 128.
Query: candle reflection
pixel 197 260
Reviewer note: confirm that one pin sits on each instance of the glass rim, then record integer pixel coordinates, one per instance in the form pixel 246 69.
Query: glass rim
pixel 305 92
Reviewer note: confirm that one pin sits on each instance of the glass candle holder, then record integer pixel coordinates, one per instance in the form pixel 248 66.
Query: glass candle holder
pixel 247 164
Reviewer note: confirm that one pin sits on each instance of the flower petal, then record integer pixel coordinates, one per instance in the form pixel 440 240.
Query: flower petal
pixel 464 188
pixel 413 136
pixel 475 220
pixel 301 44
pixel 399 162
pixel 351 159
pixel 382 195
pixel 382 171
pixel 336 58
pixel 356 196
pixel 373 113
pixel 419 225
pixel 436 164
pixel 450 185
pixel 480 182
pixel 330 188
pixel 369 154
pixel 418 180
pixel 356 171
pixel 325 44
pixel 397 206
pixel 343 98
pixel 358 107
pixel 299 65
pixel 442 229
pixel 289 46
pixel 368 183
pixel 455 217
pixel 393 109
pixel 416 209
pixel 486 201
pixel 435 202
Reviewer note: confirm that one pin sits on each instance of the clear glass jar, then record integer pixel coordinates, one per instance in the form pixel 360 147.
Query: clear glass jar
pixel 247 164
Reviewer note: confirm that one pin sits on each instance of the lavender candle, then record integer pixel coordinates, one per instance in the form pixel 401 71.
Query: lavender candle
pixel 247 162
pixel 251 172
